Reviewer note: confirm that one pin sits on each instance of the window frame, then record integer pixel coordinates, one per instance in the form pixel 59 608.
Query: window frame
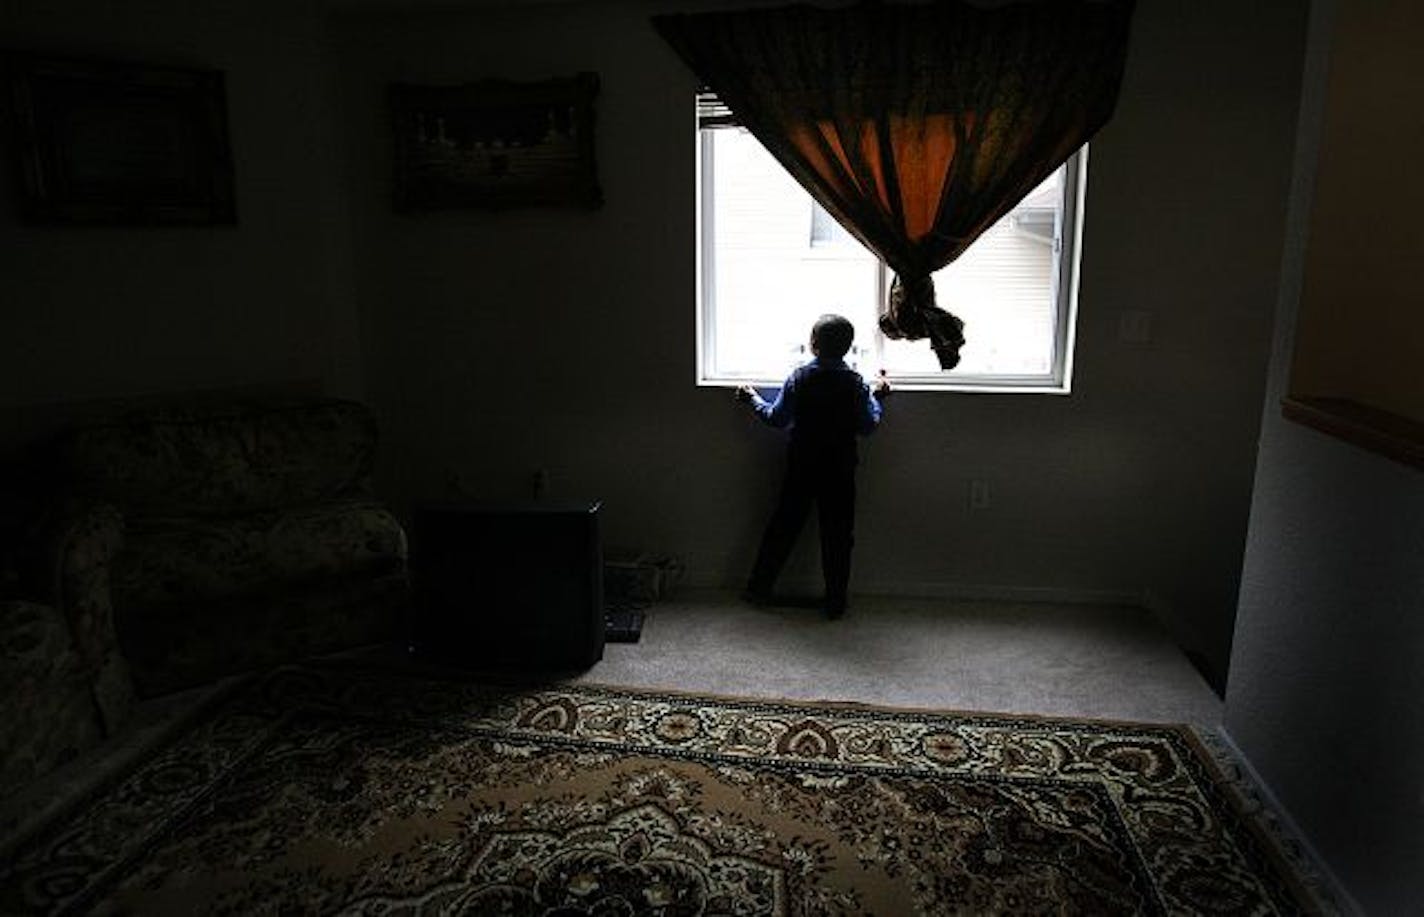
pixel 1057 381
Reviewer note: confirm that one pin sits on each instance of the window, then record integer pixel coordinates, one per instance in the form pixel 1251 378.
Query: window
pixel 772 260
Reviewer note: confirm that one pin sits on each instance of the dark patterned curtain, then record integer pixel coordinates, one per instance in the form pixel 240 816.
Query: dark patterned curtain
pixel 916 126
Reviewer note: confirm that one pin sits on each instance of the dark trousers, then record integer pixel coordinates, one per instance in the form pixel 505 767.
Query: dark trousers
pixel 832 489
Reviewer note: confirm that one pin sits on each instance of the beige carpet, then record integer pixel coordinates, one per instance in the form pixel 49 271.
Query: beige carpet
pixel 1059 659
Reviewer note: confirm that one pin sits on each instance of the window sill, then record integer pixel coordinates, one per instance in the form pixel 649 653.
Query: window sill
pixel 960 387
pixel 1382 432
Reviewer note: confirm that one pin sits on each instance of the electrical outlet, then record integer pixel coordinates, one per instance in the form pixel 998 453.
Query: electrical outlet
pixel 1134 326
pixel 978 494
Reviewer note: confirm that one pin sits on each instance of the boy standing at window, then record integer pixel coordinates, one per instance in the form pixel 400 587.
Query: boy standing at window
pixel 827 405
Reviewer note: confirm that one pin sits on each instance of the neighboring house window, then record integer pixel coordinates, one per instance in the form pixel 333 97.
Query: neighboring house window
pixel 824 228
pixel 772 260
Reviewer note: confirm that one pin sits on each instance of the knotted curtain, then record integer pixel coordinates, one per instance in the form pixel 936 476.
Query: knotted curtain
pixel 916 126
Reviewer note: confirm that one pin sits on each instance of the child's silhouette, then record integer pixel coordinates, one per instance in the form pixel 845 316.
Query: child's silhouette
pixel 827 405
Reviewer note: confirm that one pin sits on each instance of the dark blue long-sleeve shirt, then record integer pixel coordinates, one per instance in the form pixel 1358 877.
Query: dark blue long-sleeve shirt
pixel 827 404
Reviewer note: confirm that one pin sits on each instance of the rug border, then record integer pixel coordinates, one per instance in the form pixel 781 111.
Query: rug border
pixel 1269 841
pixel 117 770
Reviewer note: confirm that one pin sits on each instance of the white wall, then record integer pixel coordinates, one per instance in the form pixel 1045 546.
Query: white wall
pixel 106 312
pixel 500 343
pixel 1327 667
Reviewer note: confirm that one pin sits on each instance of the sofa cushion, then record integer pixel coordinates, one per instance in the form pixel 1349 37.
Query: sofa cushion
pixel 179 644
pixel 194 461
pixel 167 558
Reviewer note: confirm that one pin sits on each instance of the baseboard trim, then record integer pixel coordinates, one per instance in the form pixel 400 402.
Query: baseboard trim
pixel 1000 592
pixel 955 591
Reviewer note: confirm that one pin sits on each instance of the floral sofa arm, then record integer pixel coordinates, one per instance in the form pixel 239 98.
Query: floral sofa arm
pixel 81 544
pixel 47 710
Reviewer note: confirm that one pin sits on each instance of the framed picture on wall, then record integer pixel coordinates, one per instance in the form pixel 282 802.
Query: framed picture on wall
pixel 100 142
pixel 496 144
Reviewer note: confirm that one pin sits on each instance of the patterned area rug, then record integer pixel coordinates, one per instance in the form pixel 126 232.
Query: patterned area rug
pixel 337 790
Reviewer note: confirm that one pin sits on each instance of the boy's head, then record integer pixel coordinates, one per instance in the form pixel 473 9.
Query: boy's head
pixel 831 336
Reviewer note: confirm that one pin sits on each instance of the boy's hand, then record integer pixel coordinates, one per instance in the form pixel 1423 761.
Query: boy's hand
pixel 745 394
pixel 882 386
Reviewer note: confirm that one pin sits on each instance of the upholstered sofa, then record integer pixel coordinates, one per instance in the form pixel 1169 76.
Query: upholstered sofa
pixel 224 539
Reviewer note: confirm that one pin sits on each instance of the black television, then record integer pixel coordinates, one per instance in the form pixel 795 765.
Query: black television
pixel 508 586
